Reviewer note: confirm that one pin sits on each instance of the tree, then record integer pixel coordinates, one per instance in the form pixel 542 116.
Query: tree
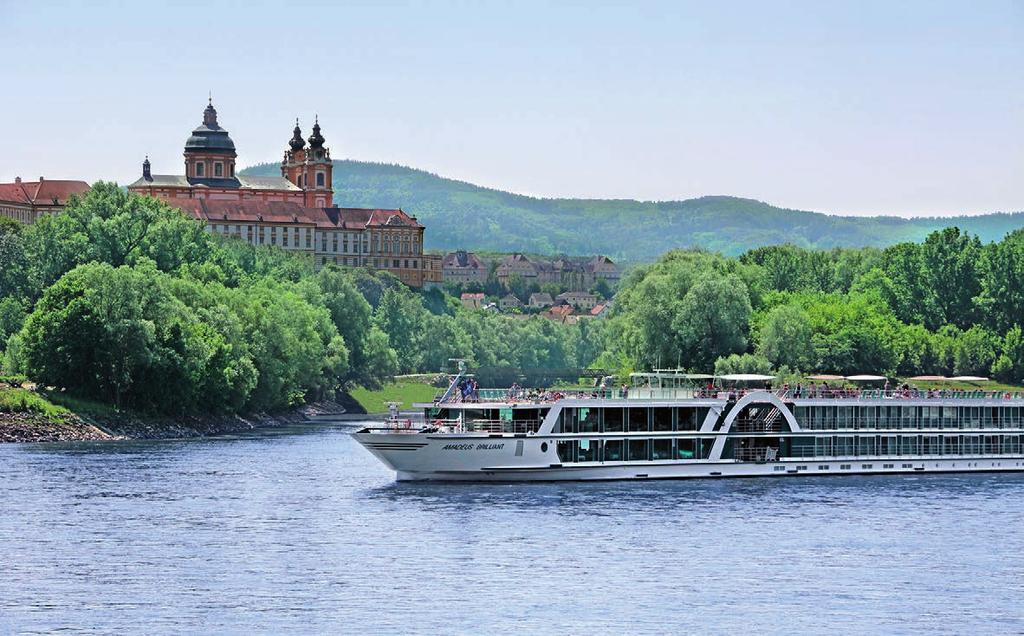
pixel 951 276
pixel 743 363
pixel 785 338
pixel 1009 367
pixel 12 315
pixel 975 351
pixel 905 285
pixel 1002 282
pixel 711 320
pixel 401 315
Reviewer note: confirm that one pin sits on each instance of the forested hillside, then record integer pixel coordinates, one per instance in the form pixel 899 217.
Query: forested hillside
pixel 462 215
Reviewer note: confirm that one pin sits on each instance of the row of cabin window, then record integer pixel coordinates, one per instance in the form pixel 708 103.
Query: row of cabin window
pixel 830 417
pixel 619 450
pixel 621 419
pixel 839 446
pixel 372 243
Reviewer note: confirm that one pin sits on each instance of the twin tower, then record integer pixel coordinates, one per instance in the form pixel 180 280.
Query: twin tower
pixel 309 167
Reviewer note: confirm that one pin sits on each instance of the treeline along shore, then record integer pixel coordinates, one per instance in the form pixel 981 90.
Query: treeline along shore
pixel 122 301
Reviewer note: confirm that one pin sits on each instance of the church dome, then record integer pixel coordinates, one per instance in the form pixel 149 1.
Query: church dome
pixel 297 142
pixel 316 140
pixel 210 137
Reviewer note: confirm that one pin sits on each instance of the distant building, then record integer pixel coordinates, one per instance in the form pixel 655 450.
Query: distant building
pixel 516 264
pixel 558 313
pixel 602 267
pixel 578 299
pixel 26 201
pixel 472 301
pixel 295 211
pixel 540 300
pixel 463 267
pixel 599 310
pixel 508 302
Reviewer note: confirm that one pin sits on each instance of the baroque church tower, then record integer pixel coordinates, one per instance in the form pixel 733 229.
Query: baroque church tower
pixel 310 168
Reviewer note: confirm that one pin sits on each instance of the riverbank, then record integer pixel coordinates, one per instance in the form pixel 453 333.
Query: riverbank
pixel 27 416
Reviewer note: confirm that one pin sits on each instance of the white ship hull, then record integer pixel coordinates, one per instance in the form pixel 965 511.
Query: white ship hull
pixel 502 458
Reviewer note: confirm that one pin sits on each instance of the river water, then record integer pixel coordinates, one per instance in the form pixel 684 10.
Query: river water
pixel 302 531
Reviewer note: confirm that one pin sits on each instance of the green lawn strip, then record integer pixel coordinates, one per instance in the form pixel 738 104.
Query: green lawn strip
pixel 402 391
pixel 16 400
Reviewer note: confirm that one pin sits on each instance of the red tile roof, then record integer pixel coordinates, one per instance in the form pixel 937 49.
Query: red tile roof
pixel 361 218
pixel 43 192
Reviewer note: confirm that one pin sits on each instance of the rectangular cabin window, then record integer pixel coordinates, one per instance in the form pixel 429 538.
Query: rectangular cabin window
pixel 588 450
pixel 661 449
pixel 588 420
pixel 320 179
pixel 613 420
pixel 218 169
pixel 638 419
pixel 200 169
pixel 662 419
pixel 613 451
pixel 637 449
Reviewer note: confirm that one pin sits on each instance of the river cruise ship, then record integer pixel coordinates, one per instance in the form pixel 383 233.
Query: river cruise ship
pixel 663 426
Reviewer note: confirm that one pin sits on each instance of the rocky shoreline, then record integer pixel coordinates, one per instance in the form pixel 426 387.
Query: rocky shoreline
pixel 30 427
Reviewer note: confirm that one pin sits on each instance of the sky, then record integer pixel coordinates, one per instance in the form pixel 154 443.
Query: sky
pixel 905 108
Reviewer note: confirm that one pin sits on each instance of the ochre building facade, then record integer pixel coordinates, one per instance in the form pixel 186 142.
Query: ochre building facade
pixel 295 211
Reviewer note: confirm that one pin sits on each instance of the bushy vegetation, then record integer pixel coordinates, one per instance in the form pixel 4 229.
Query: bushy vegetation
pixel 123 299
pixel 461 215
pixel 949 305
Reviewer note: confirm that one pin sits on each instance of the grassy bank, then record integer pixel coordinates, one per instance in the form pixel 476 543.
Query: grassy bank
pixel 18 400
pixel 404 390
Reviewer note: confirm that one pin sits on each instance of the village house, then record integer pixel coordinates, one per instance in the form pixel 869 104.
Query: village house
pixel 516 264
pixel 26 201
pixel 541 300
pixel 472 300
pixel 558 313
pixel 584 301
pixel 463 267
pixel 508 302
pixel 602 267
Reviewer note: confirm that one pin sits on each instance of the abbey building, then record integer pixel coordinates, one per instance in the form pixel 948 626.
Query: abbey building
pixel 295 211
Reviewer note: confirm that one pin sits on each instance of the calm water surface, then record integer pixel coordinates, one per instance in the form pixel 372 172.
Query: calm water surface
pixel 302 531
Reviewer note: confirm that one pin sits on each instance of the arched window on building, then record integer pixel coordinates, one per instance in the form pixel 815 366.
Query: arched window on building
pixel 320 179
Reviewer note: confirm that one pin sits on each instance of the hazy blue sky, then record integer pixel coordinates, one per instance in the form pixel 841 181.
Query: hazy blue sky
pixel 852 107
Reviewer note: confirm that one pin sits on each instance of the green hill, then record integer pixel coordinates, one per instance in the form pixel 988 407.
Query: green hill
pixel 462 215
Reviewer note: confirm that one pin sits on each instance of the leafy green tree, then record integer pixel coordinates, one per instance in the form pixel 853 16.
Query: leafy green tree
pixel 1009 367
pixel 1002 282
pixel 742 363
pixel 785 338
pixel 952 280
pixel 401 315
pixel 12 315
pixel 975 351
pixel 905 283
pixel 712 319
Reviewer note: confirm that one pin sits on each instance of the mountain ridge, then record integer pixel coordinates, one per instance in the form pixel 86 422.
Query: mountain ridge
pixel 462 215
